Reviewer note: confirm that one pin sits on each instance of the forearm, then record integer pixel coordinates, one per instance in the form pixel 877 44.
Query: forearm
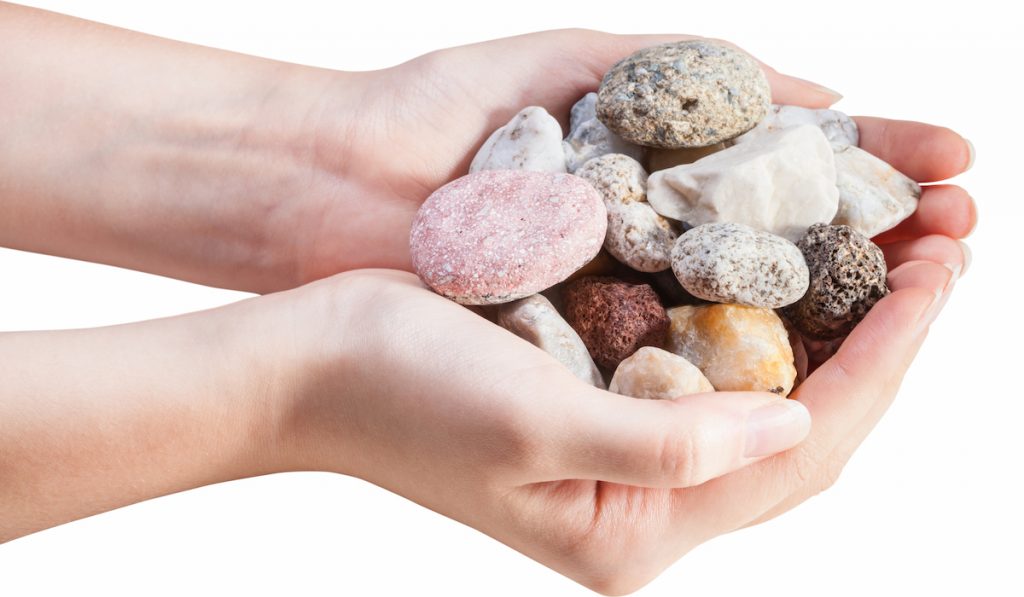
pixel 91 420
pixel 156 155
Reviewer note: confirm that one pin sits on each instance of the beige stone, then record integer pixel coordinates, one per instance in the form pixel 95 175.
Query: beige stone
pixel 657 374
pixel 736 347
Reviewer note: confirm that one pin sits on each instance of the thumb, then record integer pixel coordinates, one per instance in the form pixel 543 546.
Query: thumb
pixel 676 443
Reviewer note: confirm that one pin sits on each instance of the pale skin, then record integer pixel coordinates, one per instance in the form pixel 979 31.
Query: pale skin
pixel 245 173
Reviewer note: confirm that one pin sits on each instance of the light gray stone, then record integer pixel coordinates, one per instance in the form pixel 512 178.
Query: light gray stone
pixel 637 235
pixel 589 138
pixel 733 263
pixel 535 320
pixel 873 196
pixel 781 182
pixel 839 128
pixel 532 140
pixel 656 374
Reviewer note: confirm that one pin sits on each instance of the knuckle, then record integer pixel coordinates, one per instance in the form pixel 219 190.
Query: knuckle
pixel 679 458
pixel 830 473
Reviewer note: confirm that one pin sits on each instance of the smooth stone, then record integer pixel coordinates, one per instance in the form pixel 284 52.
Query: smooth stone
pixel 495 236
pixel 614 318
pixel 689 93
pixel 655 374
pixel 733 263
pixel 847 278
pixel 532 140
pixel 781 182
pixel 662 159
pixel 873 196
pixel 589 138
pixel 637 236
pixel 738 348
pixel 839 129
pixel 535 320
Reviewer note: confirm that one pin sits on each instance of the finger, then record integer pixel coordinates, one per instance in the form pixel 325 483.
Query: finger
pixel 943 209
pixel 673 443
pixel 922 151
pixel 920 274
pixel 838 395
pixel 935 248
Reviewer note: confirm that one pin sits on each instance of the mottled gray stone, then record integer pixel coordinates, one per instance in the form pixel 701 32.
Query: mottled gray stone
pixel 873 196
pixel 637 235
pixel 733 263
pixel 683 94
pixel 847 277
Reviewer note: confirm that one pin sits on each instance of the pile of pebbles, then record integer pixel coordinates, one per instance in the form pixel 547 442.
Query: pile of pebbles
pixel 685 236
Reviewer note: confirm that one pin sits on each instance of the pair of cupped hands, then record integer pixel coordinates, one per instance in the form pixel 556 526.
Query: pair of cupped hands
pixel 363 371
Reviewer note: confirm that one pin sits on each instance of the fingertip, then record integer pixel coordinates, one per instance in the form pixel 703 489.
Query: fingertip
pixel 776 427
pixel 790 90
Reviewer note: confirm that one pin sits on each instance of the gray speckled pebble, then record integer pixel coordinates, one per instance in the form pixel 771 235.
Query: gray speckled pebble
pixel 847 278
pixel 589 138
pixel 637 235
pixel 683 94
pixel 732 263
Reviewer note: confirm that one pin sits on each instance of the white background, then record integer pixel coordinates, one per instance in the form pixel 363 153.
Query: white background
pixel 931 504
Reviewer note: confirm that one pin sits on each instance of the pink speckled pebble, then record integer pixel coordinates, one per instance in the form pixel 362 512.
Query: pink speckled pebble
pixel 499 235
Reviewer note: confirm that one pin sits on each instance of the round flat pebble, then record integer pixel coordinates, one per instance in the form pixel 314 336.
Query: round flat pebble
pixel 726 262
pixel 495 236
pixel 614 318
pixel 847 278
pixel 683 94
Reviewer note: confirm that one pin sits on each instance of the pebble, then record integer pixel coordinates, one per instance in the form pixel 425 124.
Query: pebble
pixel 614 318
pixel 873 196
pixel 495 236
pixel 733 263
pixel 656 374
pixel 781 182
pixel 663 159
pixel 738 348
pixel 847 278
pixel 839 129
pixel 683 94
pixel 637 236
pixel 532 140
pixel 589 138
pixel 535 320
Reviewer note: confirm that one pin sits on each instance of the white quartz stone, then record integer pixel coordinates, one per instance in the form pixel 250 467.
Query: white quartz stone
pixel 873 196
pixel 839 128
pixel 532 140
pixel 657 374
pixel 589 138
pixel 535 320
pixel 780 182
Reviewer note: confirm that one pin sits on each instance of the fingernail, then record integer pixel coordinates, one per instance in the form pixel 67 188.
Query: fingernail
pixel 836 96
pixel 776 427
pixel 968 257
pixel 941 296
pixel 970 154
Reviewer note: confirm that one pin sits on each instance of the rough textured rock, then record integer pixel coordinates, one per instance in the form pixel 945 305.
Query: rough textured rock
pixel 662 159
pixel 839 129
pixel 847 278
pixel 637 235
pixel 737 348
pixel 873 196
pixel 683 94
pixel 614 318
pixel 589 138
pixel 781 182
pixel 657 374
pixel 498 235
pixel 532 140
pixel 535 320
pixel 733 263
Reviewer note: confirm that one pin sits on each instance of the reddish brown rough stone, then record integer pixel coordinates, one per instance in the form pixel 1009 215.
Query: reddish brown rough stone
pixel 615 318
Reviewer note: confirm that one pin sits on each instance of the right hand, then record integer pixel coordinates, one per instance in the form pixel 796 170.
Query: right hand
pixel 386 381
